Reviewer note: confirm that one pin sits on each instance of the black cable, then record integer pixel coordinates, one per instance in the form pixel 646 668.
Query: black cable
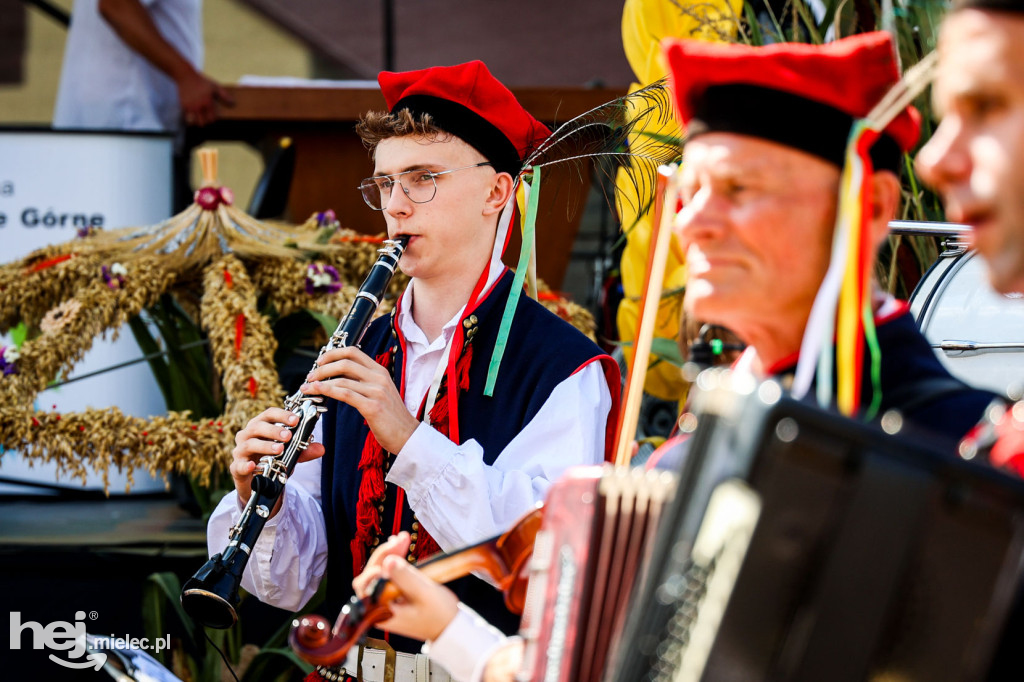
pixel 144 358
pixel 222 655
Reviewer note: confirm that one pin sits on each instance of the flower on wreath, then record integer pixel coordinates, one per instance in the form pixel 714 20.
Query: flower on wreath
pixel 115 275
pixel 327 219
pixel 86 231
pixel 209 198
pixel 322 279
pixel 8 356
pixel 57 318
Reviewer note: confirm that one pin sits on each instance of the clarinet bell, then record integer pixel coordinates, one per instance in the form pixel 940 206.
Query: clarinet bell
pixel 210 596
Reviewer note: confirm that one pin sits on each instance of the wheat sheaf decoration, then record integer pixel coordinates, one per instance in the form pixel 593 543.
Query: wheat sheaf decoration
pixel 226 271
pixel 219 265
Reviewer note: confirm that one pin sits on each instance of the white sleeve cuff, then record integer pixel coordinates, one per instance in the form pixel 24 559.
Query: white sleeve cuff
pixel 421 461
pixel 284 568
pixel 466 645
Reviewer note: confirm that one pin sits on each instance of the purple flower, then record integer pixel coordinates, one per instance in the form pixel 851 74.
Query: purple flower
pixel 115 275
pixel 327 219
pixel 322 279
pixel 8 356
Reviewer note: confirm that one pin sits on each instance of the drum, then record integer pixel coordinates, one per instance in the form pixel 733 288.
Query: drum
pixel 977 333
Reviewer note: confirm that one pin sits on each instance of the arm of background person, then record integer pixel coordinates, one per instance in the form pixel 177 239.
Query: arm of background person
pixel 197 93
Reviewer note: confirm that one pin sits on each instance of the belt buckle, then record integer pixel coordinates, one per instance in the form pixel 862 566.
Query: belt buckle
pixel 389 658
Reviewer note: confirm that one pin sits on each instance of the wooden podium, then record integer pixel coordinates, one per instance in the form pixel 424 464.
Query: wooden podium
pixel 330 160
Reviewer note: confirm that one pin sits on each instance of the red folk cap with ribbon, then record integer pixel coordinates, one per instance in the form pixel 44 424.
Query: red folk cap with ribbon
pixel 803 96
pixel 843 102
pixel 470 103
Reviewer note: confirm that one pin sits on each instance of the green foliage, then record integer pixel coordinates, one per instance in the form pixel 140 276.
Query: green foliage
pixel 662 350
pixel 327 323
pixel 194 653
pixel 667 350
pixel 19 334
pixel 181 363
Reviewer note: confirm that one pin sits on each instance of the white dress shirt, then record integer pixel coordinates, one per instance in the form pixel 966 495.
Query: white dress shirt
pixel 466 645
pixel 457 498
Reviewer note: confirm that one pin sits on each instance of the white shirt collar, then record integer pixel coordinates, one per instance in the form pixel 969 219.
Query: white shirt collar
pixel 412 332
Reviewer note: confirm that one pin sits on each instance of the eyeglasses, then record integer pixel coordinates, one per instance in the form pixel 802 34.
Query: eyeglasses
pixel 419 185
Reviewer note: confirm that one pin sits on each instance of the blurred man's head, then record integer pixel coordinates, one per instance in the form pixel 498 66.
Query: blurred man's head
pixel 975 159
pixel 767 133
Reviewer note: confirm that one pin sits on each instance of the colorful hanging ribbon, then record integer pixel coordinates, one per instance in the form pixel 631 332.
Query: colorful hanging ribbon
pixel 842 319
pixel 855 319
pixel 532 192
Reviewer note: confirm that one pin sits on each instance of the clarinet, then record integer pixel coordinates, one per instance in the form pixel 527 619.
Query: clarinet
pixel 211 595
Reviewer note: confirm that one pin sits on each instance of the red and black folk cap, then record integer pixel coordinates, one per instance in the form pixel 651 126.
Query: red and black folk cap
pixel 803 96
pixel 468 102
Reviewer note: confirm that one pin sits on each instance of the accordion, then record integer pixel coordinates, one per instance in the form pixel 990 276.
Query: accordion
pixel 594 540
pixel 795 545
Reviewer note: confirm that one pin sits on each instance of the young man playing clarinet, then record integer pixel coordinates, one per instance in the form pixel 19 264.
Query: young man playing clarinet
pixel 415 440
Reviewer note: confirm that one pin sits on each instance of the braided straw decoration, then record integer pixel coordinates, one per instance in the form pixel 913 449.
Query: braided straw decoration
pixel 218 263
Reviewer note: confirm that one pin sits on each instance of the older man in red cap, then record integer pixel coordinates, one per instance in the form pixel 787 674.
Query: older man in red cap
pixel 416 438
pixel 767 135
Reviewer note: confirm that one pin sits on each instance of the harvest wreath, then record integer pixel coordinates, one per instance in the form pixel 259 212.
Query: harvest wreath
pixel 220 265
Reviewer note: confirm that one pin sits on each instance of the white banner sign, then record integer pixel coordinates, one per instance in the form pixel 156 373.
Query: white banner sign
pixel 51 185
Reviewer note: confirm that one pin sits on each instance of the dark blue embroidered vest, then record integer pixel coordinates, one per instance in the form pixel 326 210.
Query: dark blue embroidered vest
pixel 932 402
pixel 914 381
pixel 543 350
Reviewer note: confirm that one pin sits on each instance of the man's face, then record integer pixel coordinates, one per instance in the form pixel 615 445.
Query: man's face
pixel 454 232
pixel 976 157
pixel 756 224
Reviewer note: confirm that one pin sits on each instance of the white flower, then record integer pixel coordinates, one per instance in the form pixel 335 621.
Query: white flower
pixel 11 354
pixel 118 270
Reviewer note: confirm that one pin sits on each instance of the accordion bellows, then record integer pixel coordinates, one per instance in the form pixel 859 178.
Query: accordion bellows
pixel 595 538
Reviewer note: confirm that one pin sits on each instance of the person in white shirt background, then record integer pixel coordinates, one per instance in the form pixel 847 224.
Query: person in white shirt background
pixel 135 65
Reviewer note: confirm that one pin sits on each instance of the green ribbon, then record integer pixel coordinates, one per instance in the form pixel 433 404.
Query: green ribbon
pixel 871 336
pixel 529 223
